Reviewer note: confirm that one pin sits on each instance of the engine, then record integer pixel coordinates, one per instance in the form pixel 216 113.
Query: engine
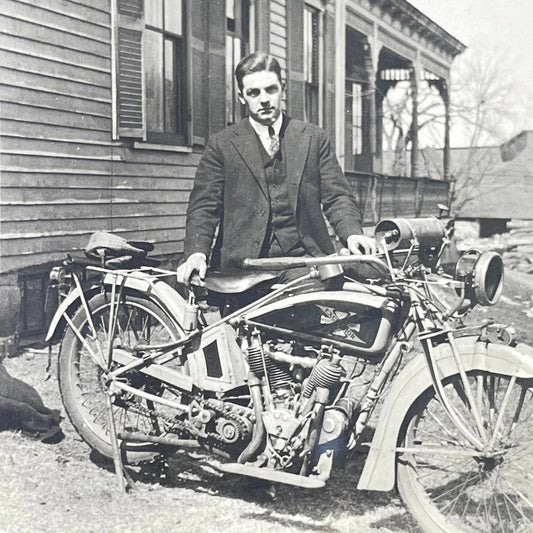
pixel 305 410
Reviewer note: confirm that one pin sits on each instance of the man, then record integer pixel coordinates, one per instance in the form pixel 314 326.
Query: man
pixel 264 183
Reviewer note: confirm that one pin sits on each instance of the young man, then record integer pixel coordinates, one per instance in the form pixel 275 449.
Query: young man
pixel 265 182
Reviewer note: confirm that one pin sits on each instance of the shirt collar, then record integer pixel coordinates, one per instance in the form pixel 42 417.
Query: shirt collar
pixel 262 130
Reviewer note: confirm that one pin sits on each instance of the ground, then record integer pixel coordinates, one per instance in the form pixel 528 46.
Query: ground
pixel 63 487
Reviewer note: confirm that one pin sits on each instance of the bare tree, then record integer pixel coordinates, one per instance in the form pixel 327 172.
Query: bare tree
pixel 485 110
pixel 397 121
pixel 485 101
pixel 486 107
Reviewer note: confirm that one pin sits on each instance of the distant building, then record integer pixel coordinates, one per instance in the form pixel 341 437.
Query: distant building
pixel 492 184
pixel 106 106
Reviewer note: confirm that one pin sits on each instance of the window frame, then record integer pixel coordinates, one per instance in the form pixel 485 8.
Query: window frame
pixel 181 49
pixel 315 8
pixel 234 110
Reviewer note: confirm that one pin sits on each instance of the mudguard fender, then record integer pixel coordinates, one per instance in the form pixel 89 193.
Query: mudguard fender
pixel 222 368
pixel 379 472
pixel 154 288
pixel 67 307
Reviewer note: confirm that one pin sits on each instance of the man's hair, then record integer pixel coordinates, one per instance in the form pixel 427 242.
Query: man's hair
pixel 256 62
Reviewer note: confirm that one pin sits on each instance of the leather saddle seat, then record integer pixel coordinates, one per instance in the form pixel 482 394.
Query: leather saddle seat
pixel 235 282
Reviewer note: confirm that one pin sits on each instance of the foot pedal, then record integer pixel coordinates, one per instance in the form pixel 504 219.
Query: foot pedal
pixel 272 475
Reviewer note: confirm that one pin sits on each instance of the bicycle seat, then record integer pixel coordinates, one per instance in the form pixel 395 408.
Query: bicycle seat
pixel 234 282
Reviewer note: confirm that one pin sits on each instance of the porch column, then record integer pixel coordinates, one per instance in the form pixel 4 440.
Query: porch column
pixel 340 74
pixel 370 103
pixel 445 95
pixel 381 91
pixel 414 77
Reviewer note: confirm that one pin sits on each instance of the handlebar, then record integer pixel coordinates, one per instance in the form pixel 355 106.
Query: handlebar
pixel 280 263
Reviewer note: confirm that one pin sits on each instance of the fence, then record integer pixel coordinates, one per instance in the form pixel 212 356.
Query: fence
pixel 394 196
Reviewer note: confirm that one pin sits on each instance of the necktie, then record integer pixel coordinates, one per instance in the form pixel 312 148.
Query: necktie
pixel 274 142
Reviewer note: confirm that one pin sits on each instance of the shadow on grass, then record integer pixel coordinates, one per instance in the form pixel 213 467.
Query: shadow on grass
pixel 283 505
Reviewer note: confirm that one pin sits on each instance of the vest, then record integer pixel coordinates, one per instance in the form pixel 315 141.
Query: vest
pixel 282 237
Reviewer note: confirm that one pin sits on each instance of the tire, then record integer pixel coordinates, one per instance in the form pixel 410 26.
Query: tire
pixel 80 378
pixel 452 492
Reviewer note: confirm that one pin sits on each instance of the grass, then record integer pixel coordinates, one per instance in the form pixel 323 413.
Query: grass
pixel 63 487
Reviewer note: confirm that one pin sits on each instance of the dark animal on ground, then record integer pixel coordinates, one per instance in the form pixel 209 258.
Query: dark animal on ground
pixel 21 408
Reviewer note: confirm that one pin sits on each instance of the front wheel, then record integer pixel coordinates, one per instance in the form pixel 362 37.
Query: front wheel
pixel 83 390
pixel 449 486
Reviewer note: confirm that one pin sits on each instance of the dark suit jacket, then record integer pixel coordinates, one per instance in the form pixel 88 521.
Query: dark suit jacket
pixel 230 189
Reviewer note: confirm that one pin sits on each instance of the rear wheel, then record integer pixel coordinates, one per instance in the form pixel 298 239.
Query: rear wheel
pixel 449 486
pixel 83 390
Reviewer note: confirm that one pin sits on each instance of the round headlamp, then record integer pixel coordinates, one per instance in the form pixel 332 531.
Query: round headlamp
pixel 482 275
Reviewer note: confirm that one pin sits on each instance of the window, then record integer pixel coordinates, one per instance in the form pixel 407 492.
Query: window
pixel 165 71
pixel 311 63
pixel 237 47
pixel 356 98
pixel 354 117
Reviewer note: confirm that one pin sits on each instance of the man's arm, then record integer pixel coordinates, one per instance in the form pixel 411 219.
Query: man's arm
pixel 339 204
pixel 203 213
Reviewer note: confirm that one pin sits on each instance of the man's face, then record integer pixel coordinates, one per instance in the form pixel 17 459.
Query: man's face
pixel 261 94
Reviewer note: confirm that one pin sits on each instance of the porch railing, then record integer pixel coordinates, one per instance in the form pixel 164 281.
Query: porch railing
pixel 381 196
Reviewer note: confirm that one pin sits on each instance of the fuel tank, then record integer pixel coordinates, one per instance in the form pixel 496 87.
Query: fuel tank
pixel 359 323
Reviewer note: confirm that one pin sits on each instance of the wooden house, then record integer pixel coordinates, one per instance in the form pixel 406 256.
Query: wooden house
pixel 106 106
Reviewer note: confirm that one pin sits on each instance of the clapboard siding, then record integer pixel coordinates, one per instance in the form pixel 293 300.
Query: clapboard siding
pixel 90 223
pixel 278 31
pixel 63 177
pixel 26 129
pixel 25 212
pixel 38 180
pixel 74 149
pixel 36 114
pixel 41 34
pixel 48 99
pixel 55 52
pixel 54 18
pixel 52 68
pixel 96 12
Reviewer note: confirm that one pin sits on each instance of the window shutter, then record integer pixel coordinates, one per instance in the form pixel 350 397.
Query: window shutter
pixel 130 101
pixel 295 60
pixel 329 66
pixel 199 94
pixel 217 71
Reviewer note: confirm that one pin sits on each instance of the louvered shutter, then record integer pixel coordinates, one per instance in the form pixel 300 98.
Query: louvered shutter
pixel 295 59
pixel 329 65
pixel 217 71
pixel 200 106
pixel 131 119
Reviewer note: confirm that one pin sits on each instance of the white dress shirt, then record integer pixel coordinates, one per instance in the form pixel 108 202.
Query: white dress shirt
pixel 262 130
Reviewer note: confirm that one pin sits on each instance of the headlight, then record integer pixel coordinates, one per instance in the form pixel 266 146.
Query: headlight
pixel 482 275
pixel 399 233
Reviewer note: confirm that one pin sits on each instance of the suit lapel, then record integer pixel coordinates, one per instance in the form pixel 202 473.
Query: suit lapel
pixel 245 141
pixel 295 149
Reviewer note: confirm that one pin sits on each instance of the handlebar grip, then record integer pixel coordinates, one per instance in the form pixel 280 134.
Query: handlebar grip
pixel 273 263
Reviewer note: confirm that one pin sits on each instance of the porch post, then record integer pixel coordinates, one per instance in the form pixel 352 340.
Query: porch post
pixel 445 94
pixel 370 97
pixel 414 77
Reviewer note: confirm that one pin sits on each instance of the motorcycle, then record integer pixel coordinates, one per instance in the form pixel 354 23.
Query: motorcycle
pixel 280 380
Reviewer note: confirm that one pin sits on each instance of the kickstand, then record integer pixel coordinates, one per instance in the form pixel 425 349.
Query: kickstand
pixel 124 480
pixel 48 369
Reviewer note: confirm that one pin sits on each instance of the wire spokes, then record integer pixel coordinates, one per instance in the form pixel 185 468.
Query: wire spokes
pixel 488 490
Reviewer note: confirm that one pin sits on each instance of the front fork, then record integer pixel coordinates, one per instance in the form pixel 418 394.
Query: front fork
pixel 373 394
pixel 477 436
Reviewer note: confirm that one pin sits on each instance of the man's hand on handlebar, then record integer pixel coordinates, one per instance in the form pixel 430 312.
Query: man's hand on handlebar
pixel 361 245
pixel 196 265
